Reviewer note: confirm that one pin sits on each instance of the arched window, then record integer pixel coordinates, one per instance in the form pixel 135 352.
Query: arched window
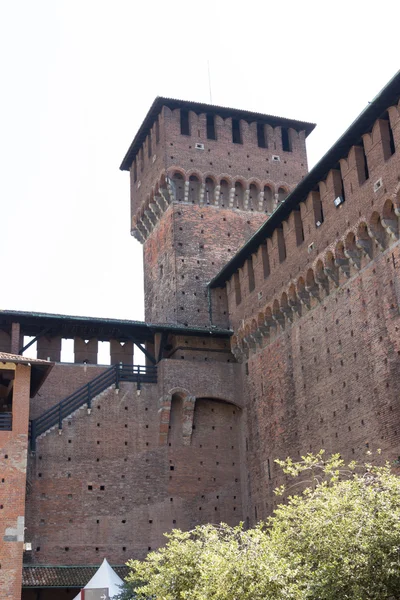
pixel 268 200
pixel 282 194
pixel 194 189
pixel 254 193
pixel 239 195
pixel 209 191
pixel 224 193
pixel 179 184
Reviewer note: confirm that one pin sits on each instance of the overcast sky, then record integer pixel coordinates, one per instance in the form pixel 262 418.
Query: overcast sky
pixel 77 78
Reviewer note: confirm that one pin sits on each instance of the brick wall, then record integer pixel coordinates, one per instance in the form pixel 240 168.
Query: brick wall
pixel 189 245
pixel 169 456
pixel 13 457
pixel 318 334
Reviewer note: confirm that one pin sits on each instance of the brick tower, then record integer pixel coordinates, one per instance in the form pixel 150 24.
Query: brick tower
pixel 203 179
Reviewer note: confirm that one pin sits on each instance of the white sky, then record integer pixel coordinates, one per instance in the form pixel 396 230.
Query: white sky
pixel 77 78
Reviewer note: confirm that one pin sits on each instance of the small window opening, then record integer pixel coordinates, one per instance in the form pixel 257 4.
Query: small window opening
pixel 236 132
pixel 141 158
pixel 149 150
pixel 265 260
pixel 318 210
pixel 286 141
pixel 281 244
pixel 250 271
pixel 298 225
pixel 211 127
pixel 238 294
pixel 185 128
pixel 261 140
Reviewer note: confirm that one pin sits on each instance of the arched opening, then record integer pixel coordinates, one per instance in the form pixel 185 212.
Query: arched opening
pixel 179 187
pixel 389 219
pixel 377 230
pixel 268 199
pixel 285 308
pixel 351 250
pixel 209 191
pixel 239 195
pixel 253 197
pixel 224 193
pixel 175 433
pixel 194 189
pixel 292 295
pixel 282 194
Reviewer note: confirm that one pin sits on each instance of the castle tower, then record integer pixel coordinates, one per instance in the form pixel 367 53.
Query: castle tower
pixel 203 179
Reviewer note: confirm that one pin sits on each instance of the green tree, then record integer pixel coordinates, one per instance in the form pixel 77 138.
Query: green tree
pixel 339 538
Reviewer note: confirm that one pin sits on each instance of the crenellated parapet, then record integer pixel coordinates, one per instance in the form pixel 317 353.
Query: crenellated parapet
pixel 340 217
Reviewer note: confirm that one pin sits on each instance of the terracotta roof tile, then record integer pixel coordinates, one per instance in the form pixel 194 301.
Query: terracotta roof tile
pixel 62 576
pixel 7 357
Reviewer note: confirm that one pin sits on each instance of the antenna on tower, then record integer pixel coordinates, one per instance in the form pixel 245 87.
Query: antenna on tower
pixel 209 80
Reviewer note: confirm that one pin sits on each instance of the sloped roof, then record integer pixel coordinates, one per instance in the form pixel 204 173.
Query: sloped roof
pixel 38 576
pixel 33 323
pixel 39 369
pixel 200 107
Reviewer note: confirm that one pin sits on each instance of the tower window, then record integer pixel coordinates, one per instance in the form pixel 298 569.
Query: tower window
pixel 185 129
pixel 236 132
pixel 286 141
pixel 261 140
pixel 211 127
pixel 149 152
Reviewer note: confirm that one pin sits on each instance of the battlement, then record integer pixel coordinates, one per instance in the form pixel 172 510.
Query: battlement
pixel 340 217
pixel 203 179
pixel 204 154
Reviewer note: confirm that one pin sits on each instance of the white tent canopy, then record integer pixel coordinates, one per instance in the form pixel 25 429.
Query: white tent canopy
pixel 105 577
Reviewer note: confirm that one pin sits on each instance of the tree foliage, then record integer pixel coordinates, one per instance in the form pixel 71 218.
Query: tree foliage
pixel 337 539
